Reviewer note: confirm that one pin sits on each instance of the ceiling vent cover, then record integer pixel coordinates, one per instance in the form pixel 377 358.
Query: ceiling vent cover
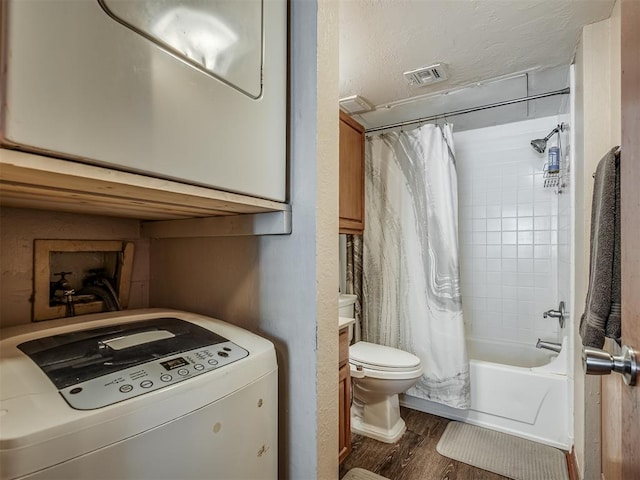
pixel 355 104
pixel 426 75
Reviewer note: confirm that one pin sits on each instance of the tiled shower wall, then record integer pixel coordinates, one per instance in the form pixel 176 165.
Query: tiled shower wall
pixel 508 224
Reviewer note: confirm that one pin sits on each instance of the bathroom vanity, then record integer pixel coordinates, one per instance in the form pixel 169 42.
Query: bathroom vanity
pixel 344 389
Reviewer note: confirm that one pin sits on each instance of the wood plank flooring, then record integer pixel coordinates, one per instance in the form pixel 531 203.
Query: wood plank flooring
pixel 414 457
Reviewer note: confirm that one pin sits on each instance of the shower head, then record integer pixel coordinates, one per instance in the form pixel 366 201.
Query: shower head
pixel 540 144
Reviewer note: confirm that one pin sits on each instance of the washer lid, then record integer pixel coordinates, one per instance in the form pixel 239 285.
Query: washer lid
pixel 366 353
pixel 81 355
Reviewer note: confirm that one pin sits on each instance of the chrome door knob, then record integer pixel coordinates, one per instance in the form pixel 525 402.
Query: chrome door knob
pixel 601 362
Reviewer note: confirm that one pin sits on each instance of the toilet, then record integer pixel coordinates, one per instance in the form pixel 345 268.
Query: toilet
pixel 378 374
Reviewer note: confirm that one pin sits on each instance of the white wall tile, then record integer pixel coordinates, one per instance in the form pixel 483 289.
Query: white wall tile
pixel 525 223
pixel 525 210
pixel 509 265
pixel 510 306
pixel 525 197
pixel 509 279
pixel 494 197
pixel 526 279
pixel 494 211
pixel 542 209
pixel 542 237
pixel 526 293
pixel 494 224
pixel 525 238
pixel 479 238
pixel 494 238
pixel 479 251
pixel 542 251
pixel 511 237
pixel 525 265
pixel 509 292
pixel 542 266
pixel 525 251
pixel 510 224
pixel 479 225
pixel 494 264
pixel 542 223
pixel 479 211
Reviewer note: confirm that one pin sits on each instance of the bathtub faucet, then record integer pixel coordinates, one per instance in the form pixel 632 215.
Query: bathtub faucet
pixel 554 347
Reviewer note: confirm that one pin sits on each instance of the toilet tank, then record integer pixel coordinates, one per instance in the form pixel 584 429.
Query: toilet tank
pixel 346 305
pixel 346 309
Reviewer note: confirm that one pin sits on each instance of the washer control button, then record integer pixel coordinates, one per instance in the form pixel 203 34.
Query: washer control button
pixel 146 384
pixel 183 371
pixel 126 388
pixel 73 391
pixel 213 362
pixel 198 366
pixel 226 349
pixel 166 377
pixel 223 354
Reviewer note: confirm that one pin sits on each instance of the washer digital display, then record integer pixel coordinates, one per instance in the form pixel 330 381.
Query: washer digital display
pixel 174 363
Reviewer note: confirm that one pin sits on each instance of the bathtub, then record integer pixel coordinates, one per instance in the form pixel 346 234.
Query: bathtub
pixel 516 389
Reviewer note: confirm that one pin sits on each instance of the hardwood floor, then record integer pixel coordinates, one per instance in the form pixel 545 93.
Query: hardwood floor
pixel 414 457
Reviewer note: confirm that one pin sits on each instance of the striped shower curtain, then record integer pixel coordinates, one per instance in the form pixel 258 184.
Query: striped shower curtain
pixel 411 282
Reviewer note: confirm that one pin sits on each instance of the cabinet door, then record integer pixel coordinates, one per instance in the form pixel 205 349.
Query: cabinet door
pixel 351 175
pixel 344 418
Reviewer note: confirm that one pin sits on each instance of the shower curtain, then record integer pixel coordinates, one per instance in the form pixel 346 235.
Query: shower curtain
pixel 411 281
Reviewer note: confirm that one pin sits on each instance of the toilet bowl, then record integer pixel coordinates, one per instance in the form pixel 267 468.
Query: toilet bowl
pixel 378 374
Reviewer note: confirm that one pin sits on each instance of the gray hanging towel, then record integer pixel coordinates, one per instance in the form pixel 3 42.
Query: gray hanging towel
pixel 602 314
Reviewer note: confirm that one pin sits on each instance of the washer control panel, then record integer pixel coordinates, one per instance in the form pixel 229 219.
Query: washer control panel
pixel 154 375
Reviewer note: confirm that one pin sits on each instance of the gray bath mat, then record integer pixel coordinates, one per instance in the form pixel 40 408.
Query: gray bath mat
pixel 362 474
pixel 503 454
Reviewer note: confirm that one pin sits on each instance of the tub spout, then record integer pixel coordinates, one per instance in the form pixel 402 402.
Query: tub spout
pixel 554 347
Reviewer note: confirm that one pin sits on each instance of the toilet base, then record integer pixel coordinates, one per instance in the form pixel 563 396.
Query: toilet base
pixel 388 426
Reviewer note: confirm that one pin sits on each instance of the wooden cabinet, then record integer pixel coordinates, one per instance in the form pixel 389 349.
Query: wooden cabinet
pixel 351 175
pixel 344 397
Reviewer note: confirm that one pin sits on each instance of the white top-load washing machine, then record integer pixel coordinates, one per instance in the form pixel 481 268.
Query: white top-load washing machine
pixel 145 394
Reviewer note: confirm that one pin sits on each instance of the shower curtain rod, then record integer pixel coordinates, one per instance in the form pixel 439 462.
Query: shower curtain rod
pixel 564 91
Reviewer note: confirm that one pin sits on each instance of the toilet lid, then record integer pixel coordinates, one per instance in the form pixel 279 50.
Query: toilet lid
pixel 381 356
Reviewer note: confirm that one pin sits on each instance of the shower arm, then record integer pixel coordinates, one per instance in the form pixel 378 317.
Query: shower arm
pixel 558 129
pixel 553 132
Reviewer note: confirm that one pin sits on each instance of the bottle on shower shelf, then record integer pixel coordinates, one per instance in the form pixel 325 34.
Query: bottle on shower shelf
pixel 553 166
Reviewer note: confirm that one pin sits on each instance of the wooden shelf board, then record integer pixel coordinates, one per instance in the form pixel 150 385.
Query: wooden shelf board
pixel 34 181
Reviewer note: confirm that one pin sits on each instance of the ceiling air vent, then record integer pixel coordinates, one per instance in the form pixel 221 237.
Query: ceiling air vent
pixel 426 75
pixel 355 104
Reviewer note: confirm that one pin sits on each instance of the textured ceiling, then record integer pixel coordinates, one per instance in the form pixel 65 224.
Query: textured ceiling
pixel 478 40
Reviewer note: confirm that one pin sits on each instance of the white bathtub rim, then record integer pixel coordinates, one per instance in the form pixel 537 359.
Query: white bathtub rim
pixel 557 366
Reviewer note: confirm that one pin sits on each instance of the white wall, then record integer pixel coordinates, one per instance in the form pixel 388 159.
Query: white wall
pixel 597 118
pixel 284 287
pixel 508 232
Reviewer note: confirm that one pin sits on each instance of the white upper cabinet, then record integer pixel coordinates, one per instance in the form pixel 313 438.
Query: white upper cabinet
pixel 187 90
